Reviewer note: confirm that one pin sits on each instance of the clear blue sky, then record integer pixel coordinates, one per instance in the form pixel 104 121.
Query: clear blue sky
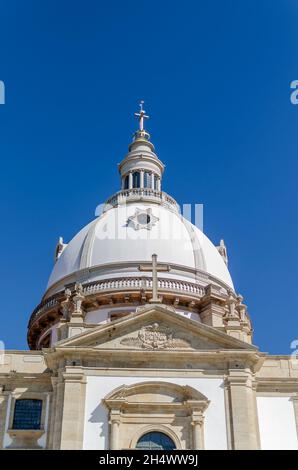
pixel 215 76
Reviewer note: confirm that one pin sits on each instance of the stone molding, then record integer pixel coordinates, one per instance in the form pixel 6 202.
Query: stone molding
pixel 131 413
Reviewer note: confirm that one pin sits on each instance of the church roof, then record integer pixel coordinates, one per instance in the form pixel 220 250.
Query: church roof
pixel 131 234
pixel 137 222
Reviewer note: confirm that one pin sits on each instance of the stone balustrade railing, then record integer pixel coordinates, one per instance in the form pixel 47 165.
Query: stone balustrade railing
pixel 145 193
pixel 142 283
pixel 123 284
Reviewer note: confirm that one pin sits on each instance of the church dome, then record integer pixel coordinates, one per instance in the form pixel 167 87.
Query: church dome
pixel 140 249
pixel 127 235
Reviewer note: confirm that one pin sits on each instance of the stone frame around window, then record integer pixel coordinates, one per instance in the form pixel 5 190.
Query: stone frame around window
pixel 27 438
pixel 176 410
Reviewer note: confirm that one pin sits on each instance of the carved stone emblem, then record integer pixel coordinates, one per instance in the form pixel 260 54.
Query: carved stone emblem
pixel 142 219
pixel 155 337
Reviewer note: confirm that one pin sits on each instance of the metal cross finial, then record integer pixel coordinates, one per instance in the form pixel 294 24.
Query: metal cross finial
pixel 155 268
pixel 141 115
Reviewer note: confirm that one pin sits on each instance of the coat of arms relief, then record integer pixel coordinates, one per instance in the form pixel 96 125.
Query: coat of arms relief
pixel 155 337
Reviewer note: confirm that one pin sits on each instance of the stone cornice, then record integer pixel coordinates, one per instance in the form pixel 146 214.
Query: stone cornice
pixel 278 384
pixel 201 358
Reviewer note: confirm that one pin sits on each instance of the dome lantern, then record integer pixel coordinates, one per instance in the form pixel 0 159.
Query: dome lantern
pixel 141 168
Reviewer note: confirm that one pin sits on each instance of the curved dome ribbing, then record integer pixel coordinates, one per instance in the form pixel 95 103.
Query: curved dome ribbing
pixel 114 239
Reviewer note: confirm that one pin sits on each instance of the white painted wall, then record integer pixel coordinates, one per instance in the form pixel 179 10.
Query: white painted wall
pixel 96 429
pixel 277 423
pixel 102 315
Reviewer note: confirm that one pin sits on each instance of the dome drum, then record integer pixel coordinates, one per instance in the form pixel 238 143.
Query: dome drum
pixel 120 293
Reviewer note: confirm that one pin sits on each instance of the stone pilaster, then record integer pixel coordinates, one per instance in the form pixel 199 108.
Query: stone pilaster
pixel 73 409
pixel 115 420
pixel 52 414
pixel 3 412
pixel 295 405
pixel 197 423
pixel 56 422
pixel 243 410
pixel 7 413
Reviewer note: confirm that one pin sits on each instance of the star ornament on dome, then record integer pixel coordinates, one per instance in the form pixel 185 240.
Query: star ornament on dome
pixel 142 219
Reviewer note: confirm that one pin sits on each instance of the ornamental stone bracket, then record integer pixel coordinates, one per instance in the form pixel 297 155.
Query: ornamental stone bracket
pixel 25 438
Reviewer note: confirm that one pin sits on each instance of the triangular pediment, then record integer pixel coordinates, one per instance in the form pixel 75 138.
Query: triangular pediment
pixel 154 328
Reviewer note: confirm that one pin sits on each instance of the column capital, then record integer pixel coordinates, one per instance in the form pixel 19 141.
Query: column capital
pixel 75 377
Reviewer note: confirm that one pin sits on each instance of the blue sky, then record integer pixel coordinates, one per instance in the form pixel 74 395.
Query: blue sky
pixel 215 76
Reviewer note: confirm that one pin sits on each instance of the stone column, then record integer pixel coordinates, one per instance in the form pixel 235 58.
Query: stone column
pixel 158 184
pixel 142 179
pixel 243 410
pixel 152 180
pixel 114 429
pixel 198 430
pixel 130 180
pixel 72 410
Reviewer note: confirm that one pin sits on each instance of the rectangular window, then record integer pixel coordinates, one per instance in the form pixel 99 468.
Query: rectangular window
pixel 27 414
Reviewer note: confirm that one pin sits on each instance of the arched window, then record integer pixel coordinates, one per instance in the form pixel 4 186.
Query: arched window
pixel 136 179
pixel 27 414
pixel 155 441
pixel 147 180
pixel 126 182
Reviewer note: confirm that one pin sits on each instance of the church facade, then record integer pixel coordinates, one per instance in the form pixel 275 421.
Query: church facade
pixel 140 340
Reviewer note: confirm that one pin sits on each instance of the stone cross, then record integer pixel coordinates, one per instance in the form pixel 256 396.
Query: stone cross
pixel 155 268
pixel 141 115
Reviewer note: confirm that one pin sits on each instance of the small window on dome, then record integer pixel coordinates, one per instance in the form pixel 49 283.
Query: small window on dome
pixel 143 218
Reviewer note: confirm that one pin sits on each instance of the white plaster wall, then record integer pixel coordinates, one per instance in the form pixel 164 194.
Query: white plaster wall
pixel 277 423
pixel 102 315
pixel 96 430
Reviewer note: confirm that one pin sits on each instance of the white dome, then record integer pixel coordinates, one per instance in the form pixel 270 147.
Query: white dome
pixel 125 236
